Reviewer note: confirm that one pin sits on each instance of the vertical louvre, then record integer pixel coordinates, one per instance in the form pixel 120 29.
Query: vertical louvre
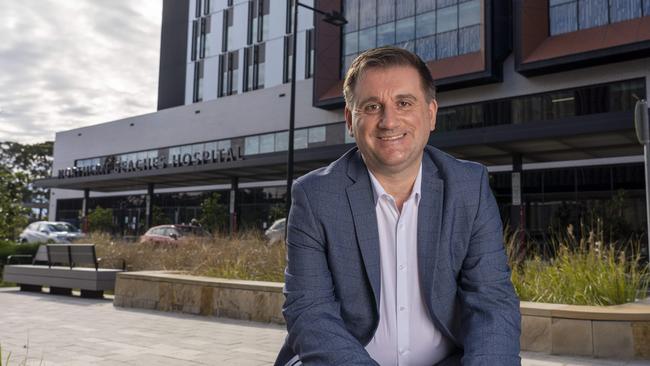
pixel 224 31
pixel 195 30
pixel 220 80
pixel 256 66
pixel 251 19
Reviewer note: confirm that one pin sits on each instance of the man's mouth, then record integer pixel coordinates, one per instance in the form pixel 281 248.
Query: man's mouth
pixel 393 137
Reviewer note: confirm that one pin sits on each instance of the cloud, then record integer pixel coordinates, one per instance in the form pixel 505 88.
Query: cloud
pixel 68 64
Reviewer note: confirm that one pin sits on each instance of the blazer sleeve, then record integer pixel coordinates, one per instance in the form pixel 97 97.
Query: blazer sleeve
pixel 490 318
pixel 316 330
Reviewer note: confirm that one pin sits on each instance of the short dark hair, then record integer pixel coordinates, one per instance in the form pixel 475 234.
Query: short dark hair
pixel 386 57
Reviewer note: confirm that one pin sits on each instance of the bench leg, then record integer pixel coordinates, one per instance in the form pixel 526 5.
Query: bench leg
pixel 90 294
pixel 30 288
pixel 61 291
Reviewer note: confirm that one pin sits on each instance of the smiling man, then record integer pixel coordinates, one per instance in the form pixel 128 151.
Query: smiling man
pixel 395 250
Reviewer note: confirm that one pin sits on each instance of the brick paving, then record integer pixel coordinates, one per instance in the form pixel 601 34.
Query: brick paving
pixel 49 330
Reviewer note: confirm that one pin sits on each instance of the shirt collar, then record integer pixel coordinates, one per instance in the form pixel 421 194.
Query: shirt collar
pixel 378 190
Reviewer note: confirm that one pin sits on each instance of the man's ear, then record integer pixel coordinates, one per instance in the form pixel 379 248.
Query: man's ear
pixel 433 111
pixel 348 120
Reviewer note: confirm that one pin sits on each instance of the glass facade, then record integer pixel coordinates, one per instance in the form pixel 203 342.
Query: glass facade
pixel 613 97
pixel 572 15
pixel 556 198
pixel 433 29
pixel 258 208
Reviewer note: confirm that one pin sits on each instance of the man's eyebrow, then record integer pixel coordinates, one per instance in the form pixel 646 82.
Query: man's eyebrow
pixel 369 99
pixel 406 96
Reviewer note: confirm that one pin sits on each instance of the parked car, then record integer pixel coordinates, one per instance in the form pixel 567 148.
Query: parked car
pixel 50 231
pixel 275 234
pixel 172 234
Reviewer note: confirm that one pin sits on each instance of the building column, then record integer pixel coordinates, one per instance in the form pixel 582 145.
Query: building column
pixel 148 206
pixel 516 213
pixel 84 210
pixel 234 187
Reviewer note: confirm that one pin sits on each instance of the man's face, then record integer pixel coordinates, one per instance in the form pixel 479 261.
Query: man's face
pixel 391 119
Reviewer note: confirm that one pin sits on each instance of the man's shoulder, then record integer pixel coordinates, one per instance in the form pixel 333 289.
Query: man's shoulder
pixel 329 177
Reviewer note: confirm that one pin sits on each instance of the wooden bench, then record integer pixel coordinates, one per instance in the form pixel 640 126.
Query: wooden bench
pixel 66 268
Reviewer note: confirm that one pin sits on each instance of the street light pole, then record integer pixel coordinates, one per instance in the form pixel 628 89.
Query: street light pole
pixel 334 18
pixel 292 110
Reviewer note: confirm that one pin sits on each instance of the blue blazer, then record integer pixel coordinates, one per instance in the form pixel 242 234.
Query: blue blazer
pixel 332 280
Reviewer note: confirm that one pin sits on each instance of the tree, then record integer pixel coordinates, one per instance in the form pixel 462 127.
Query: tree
pixel 13 216
pixel 34 161
pixel 100 219
pixel 214 215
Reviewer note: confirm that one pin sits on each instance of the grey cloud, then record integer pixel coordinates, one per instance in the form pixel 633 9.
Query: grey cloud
pixel 69 64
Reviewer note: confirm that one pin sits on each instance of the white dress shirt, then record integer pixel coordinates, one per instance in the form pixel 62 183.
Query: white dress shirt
pixel 405 334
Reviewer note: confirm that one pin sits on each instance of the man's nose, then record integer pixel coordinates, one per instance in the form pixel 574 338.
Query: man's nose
pixel 389 118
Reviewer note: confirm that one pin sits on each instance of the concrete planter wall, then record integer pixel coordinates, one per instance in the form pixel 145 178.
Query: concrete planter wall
pixel 166 291
pixel 620 332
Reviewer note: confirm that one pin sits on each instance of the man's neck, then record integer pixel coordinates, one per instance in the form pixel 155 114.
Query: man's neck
pixel 399 185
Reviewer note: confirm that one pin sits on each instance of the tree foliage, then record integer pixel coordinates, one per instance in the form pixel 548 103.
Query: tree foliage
pixel 13 216
pixel 100 219
pixel 33 161
pixel 214 215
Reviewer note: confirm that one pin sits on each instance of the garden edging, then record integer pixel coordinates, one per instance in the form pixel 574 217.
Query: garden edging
pixel 619 331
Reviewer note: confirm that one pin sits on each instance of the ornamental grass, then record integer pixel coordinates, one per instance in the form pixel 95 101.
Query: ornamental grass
pixel 244 256
pixel 578 270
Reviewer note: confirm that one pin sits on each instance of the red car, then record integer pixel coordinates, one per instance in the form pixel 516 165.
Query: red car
pixel 171 234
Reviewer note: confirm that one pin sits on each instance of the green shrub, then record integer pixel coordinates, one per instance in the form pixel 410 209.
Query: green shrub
pixel 101 219
pixel 8 248
pixel 581 271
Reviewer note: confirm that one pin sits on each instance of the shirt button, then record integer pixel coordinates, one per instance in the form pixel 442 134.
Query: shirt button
pixel 402 267
pixel 402 351
pixel 402 308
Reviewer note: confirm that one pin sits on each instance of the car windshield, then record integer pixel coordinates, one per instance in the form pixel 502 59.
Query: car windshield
pixel 61 226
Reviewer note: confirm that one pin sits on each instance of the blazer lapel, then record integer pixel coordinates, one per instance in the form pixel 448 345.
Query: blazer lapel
pixel 429 227
pixel 362 204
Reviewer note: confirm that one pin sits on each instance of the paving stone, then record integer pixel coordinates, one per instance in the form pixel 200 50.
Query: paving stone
pixel 79 331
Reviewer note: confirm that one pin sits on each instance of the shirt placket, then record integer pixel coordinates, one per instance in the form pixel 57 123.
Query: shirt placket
pixel 403 307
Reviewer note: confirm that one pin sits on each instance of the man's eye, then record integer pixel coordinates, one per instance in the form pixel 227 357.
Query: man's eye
pixel 404 104
pixel 371 108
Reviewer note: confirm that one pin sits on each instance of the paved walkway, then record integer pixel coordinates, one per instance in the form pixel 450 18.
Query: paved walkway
pixel 49 330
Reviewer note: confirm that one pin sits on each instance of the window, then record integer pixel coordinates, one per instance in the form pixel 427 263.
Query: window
pixel 281 141
pixel 288 58
pixel 289 17
pixel 316 134
pixel 571 15
pixel 205 30
pixel 198 82
pixel 435 29
pixel 267 143
pixel 195 41
pixel 309 53
pixel 252 145
pixel 226 34
pixel 229 73
pixel 254 58
pixel 258 11
pixel 300 139
pixel 197 13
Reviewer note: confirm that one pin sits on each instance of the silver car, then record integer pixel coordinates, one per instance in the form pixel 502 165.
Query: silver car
pixel 50 231
pixel 275 233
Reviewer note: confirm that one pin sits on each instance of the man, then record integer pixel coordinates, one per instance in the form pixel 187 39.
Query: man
pixel 395 250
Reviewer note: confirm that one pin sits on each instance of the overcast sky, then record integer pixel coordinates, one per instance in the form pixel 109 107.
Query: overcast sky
pixel 71 63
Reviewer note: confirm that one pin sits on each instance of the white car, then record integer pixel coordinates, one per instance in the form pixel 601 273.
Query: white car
pixel 50 231
pixel 275 234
